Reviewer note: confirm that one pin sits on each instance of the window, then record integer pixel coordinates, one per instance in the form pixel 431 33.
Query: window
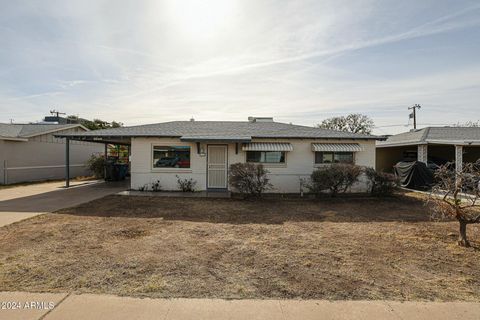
pixel 266 156
pixel 333 157
pixel 171 157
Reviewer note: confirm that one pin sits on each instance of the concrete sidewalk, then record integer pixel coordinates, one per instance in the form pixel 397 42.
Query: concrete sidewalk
pixel 90 306
pixel 18 203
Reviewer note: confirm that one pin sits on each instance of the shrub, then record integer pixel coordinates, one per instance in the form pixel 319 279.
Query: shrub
pixel 381 183
pixel 96 164
pixel 186 185
pixel 154 186
pixel 336 178
pixel 249 178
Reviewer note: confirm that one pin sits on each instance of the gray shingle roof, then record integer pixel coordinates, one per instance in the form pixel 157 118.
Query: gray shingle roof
pixel 447 135
pixel 8 130
pixel 228 130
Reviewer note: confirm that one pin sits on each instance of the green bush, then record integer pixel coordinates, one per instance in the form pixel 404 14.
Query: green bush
pixel 249 179
pixel 338 177
pixel 381 183
pixel 96 164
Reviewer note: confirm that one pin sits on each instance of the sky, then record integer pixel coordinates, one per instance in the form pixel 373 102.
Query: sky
pixel 299 61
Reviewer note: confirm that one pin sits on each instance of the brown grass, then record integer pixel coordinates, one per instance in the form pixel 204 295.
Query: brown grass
pixel 168 247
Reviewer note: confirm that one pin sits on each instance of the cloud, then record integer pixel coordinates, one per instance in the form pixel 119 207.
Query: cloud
pixel 436 26
pixel 298 61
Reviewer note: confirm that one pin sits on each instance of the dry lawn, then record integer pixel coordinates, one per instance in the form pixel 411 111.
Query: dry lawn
pixel 174 247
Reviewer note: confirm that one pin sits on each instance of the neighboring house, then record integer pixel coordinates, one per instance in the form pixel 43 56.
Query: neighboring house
pixel 204 150
pixel 31 152
pixel 433 144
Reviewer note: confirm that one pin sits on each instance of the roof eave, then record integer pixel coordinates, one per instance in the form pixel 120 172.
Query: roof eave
pixel 56 130
pixel 455 142
pixel 14 139
pixel 220 139
pixel 399 144
pixel 413 143
pixel 319 137
pixel 114 136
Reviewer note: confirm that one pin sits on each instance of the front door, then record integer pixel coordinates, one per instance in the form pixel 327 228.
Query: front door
pixel 217 167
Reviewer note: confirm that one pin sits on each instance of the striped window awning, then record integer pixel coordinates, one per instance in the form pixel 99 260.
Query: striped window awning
pixel 336 147
pixel 267 146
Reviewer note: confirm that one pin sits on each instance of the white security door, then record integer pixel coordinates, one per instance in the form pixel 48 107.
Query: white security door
pixel 217 167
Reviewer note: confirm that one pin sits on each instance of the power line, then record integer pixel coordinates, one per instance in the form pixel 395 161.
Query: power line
pixel 391 125
pixel 420 124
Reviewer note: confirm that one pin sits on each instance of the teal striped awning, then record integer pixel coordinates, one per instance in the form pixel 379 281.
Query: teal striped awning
pixel 336 147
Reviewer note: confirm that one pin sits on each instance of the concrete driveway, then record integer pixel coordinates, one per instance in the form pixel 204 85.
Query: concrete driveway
pixel 22 202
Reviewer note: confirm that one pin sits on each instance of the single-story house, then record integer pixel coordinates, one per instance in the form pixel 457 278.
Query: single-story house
pixel 204 150
pixel 31 152
pixel 437 145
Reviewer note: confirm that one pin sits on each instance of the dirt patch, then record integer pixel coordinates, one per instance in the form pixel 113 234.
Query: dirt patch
pixel 223 248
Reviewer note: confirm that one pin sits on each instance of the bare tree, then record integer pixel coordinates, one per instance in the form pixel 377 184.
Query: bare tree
pixel 471 124
pixel 355 122
pixel 456 195
pixel 96 124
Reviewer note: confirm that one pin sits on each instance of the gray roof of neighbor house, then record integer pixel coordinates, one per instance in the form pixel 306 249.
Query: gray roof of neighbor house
pixel 436 135
pixel 221 130
pixel 24 131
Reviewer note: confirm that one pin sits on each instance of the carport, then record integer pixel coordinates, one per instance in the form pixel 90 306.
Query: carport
pixel 106 137
pixel 437 145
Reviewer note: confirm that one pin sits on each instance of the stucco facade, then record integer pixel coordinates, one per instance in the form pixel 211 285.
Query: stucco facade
pixel 42 157
pixel 285 177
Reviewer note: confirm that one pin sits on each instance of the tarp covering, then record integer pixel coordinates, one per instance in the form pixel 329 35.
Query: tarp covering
pixel 414 174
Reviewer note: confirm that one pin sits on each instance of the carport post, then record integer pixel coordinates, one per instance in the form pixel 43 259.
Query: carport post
pixel 105 166
pixel 422 153
pixel 458 158
pixel 67 162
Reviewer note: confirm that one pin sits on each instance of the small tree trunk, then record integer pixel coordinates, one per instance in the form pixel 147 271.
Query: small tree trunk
pixel 462 239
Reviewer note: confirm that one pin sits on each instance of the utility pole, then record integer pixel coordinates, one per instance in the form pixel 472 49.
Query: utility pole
pixel 414 114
